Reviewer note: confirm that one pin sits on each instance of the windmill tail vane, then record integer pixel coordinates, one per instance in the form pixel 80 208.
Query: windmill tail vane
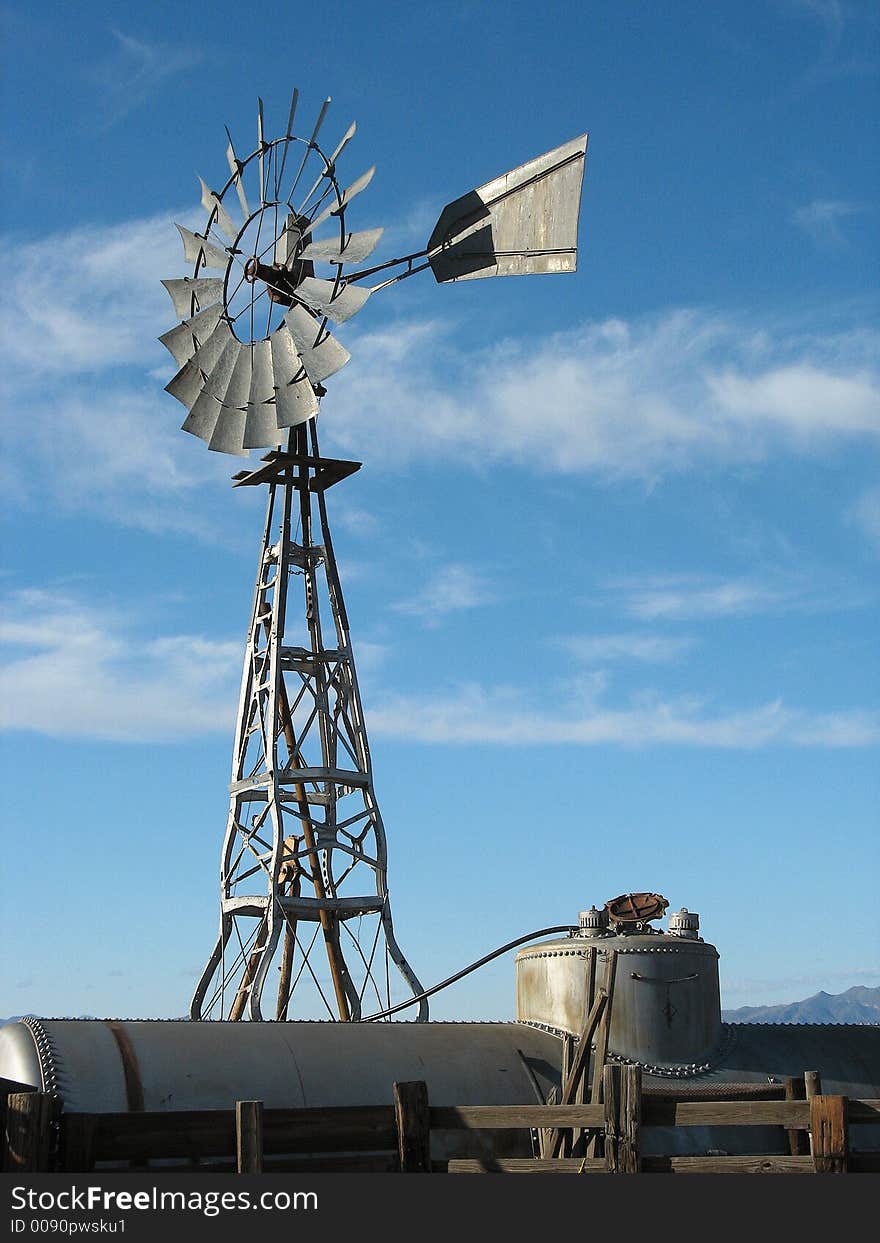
pixel 304 860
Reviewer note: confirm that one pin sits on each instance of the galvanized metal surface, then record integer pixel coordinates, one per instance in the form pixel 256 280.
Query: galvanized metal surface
pixel 666 1009
pixel 523 222
pixel 181 1065
pixel 304 860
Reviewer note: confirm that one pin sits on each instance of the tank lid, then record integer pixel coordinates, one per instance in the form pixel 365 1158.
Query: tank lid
pixel 631 912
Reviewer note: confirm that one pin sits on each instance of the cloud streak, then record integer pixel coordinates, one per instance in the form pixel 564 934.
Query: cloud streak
pixel 74 670
pixel 656 394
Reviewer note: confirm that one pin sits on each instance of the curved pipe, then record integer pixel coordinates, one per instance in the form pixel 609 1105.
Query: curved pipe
pixel 481 962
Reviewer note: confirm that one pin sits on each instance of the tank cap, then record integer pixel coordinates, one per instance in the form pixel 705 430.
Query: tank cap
pixel 684 923
pixel 631 912
pixel 593 923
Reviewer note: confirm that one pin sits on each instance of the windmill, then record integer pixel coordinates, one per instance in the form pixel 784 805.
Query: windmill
pixel 304 858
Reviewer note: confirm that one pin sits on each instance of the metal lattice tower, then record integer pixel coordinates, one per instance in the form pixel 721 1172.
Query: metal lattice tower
pixel 304 861
pixel 305 854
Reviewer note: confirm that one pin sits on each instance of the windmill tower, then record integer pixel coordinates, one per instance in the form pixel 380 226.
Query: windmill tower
pixel 304 883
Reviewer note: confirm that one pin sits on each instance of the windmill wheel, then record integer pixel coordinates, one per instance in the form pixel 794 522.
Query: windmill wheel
pixel 253 344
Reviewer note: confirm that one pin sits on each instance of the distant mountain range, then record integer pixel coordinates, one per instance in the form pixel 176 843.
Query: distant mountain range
pixel 856 1005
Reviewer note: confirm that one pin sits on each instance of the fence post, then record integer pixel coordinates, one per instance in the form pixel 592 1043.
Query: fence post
pixel 798 1141
pixel 249 1137
pixel 413 1124
pixel 828 1130
pixel 29 1119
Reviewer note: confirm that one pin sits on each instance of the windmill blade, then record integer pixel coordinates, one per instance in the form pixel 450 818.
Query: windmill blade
pixel 261 429
pixel 235 169
pixel 202 419
pixel 295 399
pixel 212 203
pixel 522 222
pixel 218 378
pixel 347 195
pixel 183 340
pixel 186 385
pixel 288 134
pixel 194 244
pixel 190 380
pixel 260 146
pixel 205 289
pixel 228 435
pixel 358 246
pixel 321 360
pixel 337 303
pixel 343 143
pixel 309 145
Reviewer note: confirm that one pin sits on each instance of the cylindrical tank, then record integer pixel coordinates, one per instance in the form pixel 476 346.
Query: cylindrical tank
pixel 667 1002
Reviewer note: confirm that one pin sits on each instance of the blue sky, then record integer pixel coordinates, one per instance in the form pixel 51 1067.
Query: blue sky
pixel 611 561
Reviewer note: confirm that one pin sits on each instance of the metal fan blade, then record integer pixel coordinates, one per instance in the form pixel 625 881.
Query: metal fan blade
pixel 295 399
pixel 358 246
pixel 339 305
pixel 202 418
pixel 346 138
pixel 347 195
pixel 286 362
pixel 205 289
pixel 261 429
pixel 184 340
pixel 194 245
pixel 288 134
pixel 209 351
pixel 211 203
pixel 239 387
pixel 295 403
pixel 217 378
pixel 235 170
pixel 187 385
pixel 321 360
pixel 309 147
pixel 522 222
pixel 260 146
pixel 229 433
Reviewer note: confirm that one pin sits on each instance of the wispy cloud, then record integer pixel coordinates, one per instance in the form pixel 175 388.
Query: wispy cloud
pixel 645 648
pixel 687 597
pixel 133 71
pixel 450 589
pixel 694 597
pixel 822 219
pixel 72 670
pixel 501 716
pixel 655 394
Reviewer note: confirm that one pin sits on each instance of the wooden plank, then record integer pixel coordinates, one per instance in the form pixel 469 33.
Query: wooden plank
pixel 211 1132
pixel 526 1165
pixel 248 1137
pixel 29 1119
pixel 412 1118
pixel 513 1117
pixel 580 1064
pixel 603 1029
pixel 611 1103
pixel 798 1140
pixel 728 1165
pixel 7 1088
pixel 828 1131
pixel 813 1080
pixel 725 1113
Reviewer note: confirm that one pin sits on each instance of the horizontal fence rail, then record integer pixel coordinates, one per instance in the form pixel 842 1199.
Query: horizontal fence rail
pixel 249 1138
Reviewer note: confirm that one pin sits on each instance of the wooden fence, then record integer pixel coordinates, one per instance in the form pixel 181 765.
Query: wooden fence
pixel 607 1137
